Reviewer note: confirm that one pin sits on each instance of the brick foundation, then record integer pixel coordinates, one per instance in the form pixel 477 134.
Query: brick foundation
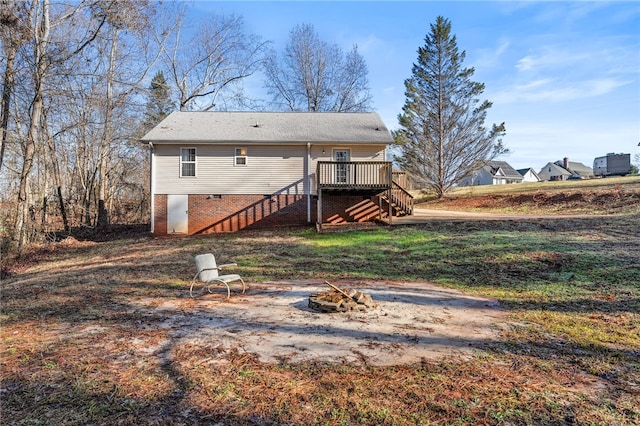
pixel 160 214
pixel 349 208
pixel 231 213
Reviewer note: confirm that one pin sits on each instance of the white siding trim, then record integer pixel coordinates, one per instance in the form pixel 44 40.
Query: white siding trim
pixel 307 181
pixel 152 182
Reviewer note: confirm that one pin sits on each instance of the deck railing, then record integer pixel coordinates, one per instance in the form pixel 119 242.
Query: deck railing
pixel 402 199
pixel 354 175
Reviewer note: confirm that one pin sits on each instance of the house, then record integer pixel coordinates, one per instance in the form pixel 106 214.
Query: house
pixel 564 170
pixel 493 173
pixel 226 171
pixel 612 164
pixel 529 175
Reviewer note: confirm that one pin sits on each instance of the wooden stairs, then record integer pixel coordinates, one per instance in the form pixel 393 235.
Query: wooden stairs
pixel 399 199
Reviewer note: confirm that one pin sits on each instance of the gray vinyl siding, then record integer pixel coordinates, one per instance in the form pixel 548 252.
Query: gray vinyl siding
pixel 270 169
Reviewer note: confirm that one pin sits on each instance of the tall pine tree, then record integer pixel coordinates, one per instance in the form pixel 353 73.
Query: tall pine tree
pixel 442 138
pixel 159 103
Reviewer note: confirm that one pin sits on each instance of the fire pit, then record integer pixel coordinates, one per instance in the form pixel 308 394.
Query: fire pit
pixel 338 300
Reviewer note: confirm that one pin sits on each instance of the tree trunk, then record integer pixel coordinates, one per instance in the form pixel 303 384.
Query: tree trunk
pixel 9 78
pixel 41 27
pixel 103 213
pixel 56 178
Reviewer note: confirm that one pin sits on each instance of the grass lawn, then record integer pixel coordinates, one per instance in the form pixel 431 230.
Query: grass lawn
pixel 571 288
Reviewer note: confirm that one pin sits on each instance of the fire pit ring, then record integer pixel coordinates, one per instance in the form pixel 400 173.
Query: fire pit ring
pixel 338 300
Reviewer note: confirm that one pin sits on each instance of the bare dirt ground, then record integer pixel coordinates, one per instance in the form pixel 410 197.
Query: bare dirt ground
pixel 558 203
pixel 421 215
pixel 273 322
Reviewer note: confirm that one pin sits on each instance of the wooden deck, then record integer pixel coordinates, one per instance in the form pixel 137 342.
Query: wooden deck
pixel 354 175
pixel 374 179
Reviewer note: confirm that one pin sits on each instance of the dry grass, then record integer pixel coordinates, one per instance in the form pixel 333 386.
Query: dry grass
pixel 612 195
pixel 83 344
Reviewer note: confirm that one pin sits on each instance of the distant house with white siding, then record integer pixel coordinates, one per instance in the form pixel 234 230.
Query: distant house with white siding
pixel 226 171
pixel 493 173
pixel 529 175
pixel 564 170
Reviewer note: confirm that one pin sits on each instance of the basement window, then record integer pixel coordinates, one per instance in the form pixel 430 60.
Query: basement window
pixel 187 162
pixel 240 158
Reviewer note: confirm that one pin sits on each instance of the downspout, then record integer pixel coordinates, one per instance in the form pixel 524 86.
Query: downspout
pixel 152 179
pixel 308 181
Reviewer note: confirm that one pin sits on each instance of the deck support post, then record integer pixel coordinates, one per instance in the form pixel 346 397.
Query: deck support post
pixel 319 218
pixel 390 213
pixel 390 191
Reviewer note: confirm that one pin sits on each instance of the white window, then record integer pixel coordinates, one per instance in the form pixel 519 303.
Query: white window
pixel 240 158
pixel 187 162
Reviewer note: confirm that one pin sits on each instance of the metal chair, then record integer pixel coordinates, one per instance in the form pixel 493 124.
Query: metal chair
pixel 208 274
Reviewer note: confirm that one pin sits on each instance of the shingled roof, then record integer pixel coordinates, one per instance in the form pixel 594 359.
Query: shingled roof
pixel 270 127
pixel 575 169
pixel 508 171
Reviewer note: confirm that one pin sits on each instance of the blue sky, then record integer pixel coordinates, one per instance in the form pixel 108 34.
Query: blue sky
pixel 563 76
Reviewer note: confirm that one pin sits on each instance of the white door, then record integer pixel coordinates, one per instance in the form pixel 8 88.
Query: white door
pixel 342 170
pixel 177 214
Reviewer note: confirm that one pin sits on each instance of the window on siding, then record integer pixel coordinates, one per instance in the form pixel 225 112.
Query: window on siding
pixel 240 158
pixel 187 162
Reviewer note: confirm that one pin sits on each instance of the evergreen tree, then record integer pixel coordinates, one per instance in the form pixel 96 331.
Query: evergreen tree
pixel 159 104
pixel 442 138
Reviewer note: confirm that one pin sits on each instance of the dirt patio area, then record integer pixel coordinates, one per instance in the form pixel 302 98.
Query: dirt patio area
pixel 273 322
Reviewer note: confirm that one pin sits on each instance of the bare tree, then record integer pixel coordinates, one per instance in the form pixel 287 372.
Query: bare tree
pixel 207 66
pixel 68 43
pixel 110 74
pixel 12 35
pixel 74 75
pixel 312 75
pixel 40 27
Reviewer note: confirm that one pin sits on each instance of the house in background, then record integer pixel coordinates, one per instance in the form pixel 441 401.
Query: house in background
pixel 227 171
pixel 564 170
pixel 493 173
pixel 612 164
pixel 529 175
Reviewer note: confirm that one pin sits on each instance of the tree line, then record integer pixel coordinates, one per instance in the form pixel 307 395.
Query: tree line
pixel 83 81
pixel 76 98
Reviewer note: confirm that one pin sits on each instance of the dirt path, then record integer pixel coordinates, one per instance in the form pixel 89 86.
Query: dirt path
pixel 272 321
pixel 420 215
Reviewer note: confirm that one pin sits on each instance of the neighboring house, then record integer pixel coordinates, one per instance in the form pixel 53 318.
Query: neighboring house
pixel 226 171
pixel 529 175
pixel 564 170
pixel 612 164
pixel 493 173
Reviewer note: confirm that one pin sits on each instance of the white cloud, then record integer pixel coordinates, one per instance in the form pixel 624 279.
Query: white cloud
pixel 551 90
pixel 504 45
pixel 556 57
pixel 526 63
pixel 489 58
pixel 535 84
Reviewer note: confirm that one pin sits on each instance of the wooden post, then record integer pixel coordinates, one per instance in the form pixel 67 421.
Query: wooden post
pixel 390 207
pixel 319 218
pixel 390 183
